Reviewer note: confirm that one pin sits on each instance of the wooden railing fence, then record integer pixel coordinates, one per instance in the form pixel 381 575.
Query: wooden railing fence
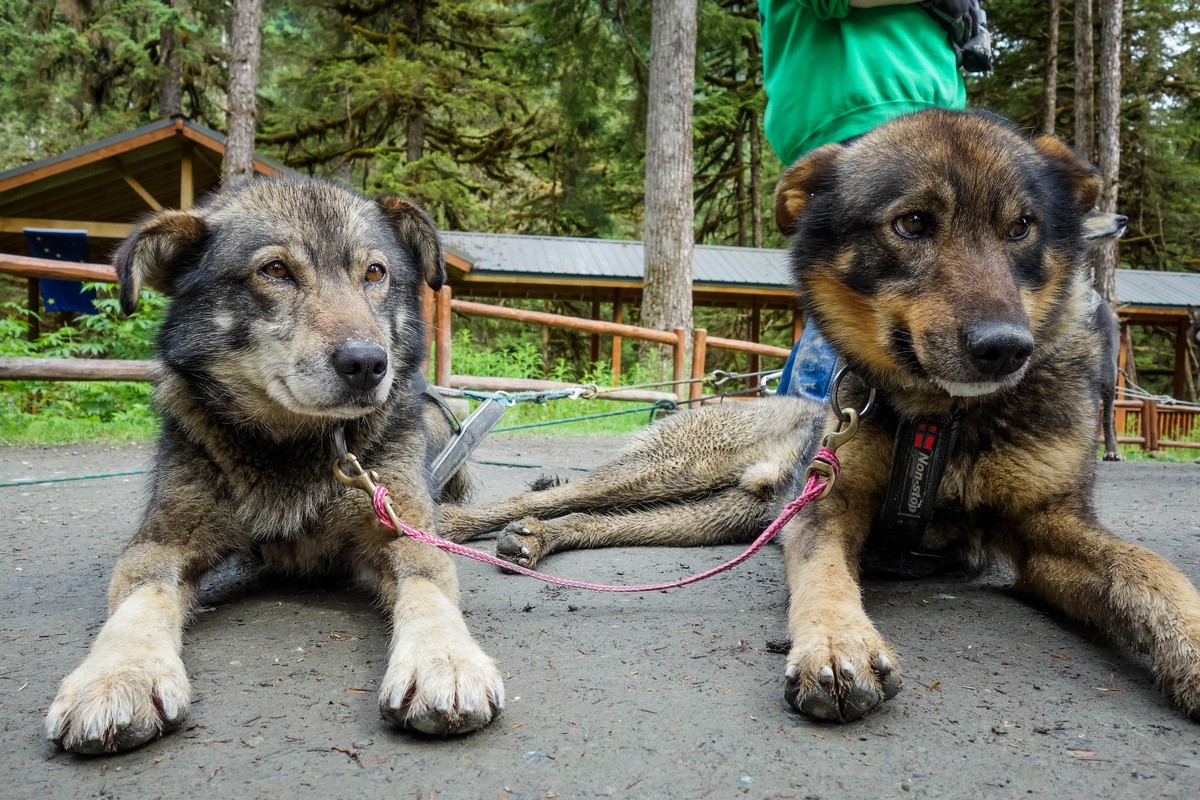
pixel 437 313
pixel 1146 423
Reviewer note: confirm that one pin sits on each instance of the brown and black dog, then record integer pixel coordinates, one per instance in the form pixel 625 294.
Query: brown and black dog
pixel 943 255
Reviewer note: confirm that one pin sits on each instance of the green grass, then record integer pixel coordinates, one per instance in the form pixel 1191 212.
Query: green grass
pixel 34 429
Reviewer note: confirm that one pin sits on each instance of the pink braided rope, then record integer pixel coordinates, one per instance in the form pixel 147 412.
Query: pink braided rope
pixel 815 486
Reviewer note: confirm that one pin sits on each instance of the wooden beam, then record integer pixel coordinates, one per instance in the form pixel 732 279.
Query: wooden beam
pixel 218 146
pixel 187 185
pixel 1181 364
pixel 699 356
pixel 456 262
pixel 716 342
pixel 618 315
pixel 490 384
pixel 28 267
pixel 595 351
pixel 755 336
pixel 445 302
pixel 99 230
pixel 133 184
pixel 76 369
pixel 88 157
pixel 428 301
pixel 563 321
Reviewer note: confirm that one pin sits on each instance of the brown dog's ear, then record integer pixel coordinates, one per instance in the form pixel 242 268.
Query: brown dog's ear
pixel 799 184
pixel 151 254
pixel 1080 177
pixel 416 230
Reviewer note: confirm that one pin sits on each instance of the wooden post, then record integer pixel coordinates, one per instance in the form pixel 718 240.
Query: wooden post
pixel 616 342
pixel 35 305
pixel 595 352
pixel 187 186
pixel 428 300
pixel 1181 364
pixel 679 370
pixel 1150 424
pixel 442 348
pixel 797 325
pixel 699 355
pixel 1122 359
pixel 755 335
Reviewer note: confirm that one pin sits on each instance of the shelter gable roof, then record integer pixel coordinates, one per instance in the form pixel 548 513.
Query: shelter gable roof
pixel 566 257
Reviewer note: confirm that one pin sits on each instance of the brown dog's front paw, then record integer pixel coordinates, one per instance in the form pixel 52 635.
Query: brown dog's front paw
pixel 840 680
pixel 519 544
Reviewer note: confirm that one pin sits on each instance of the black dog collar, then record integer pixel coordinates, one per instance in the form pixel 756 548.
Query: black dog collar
pixel 919 457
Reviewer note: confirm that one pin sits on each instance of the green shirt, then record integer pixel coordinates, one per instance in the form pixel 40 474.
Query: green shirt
pixel 832 72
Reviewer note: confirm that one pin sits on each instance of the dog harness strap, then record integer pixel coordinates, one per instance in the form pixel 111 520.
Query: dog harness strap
pixel 919 457
pixel 472 431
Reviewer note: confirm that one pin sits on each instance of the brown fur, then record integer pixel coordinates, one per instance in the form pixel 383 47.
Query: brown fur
pixel 294 310
pixel 943 256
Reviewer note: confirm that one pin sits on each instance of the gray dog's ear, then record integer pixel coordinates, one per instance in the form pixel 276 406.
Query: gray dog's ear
pixel 151 255
pixel 417 232
pixel 1081 178
pixel 799 184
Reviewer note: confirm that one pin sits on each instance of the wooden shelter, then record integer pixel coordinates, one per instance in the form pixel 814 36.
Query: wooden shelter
pixel 102 188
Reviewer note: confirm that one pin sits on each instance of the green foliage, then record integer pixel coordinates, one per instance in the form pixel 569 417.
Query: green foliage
pixel 103 334
pixel 1160 113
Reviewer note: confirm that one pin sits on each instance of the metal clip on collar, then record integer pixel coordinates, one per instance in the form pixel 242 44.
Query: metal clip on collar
pixel 846 431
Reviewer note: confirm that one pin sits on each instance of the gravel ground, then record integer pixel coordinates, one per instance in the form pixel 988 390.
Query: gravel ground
pixel 665 695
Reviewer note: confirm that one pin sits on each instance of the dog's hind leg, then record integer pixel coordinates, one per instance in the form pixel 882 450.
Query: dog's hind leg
pixel 1127 591
pixel 686 457
pixel 732 515
pixel 132 686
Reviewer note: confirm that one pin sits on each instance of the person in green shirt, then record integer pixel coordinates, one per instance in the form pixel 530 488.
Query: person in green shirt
pixel 834 69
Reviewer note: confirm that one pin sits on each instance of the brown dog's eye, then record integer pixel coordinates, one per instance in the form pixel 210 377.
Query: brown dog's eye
pixel 276 270
pixel 1019 229
pixel 912 225
pixel 375 273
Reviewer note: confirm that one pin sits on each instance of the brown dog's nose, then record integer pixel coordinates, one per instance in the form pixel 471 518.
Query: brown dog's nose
pixel 999 348
pixel 361 364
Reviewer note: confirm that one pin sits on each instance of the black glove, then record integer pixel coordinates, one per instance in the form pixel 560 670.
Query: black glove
pixel 955 9
pixel 966 23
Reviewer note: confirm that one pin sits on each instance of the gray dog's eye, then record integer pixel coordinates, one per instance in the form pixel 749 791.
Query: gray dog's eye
pixel 375 273
pixel 913 224
pixel 276 270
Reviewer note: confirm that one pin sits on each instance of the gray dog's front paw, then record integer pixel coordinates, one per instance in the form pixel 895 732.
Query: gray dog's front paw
pixel 119 700
pixel 519 544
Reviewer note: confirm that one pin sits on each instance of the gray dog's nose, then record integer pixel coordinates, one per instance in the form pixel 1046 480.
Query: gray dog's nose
pixel 999 348
pixel 361 364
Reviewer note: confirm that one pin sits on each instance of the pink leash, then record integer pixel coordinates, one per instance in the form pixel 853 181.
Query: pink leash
pixel 818 482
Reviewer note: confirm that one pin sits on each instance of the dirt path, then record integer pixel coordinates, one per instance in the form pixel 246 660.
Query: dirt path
pixel 651 696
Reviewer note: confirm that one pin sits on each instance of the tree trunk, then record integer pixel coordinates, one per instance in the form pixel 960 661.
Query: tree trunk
pixel 238 162
pixel 669 234
pixel 756 215
pixel 1085 68
pixel 739 186
pixel 414 20
pixel 1050 85
pixel 1111 12
pixel 170 88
